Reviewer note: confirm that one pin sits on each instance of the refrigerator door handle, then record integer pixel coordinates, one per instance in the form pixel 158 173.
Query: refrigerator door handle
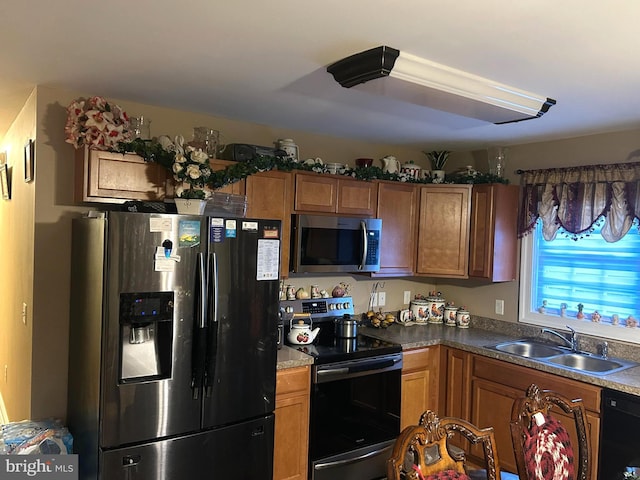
pixel 213 327
pixel 200 330
pixel 214 275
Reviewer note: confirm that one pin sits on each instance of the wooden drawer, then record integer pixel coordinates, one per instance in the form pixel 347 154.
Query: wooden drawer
pixel 293 380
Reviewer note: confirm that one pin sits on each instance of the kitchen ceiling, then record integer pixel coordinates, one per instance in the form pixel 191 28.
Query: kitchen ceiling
pixel 265 62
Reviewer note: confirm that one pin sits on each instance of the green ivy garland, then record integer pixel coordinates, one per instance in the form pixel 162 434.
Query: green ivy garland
pixel 152 151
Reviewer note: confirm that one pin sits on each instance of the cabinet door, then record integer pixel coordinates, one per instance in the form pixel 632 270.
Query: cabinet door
pixel 357 197
pixel 493 237
pixel 397 207
pixel 291 440
pixel 456 383
pixel 269 195
pixel 443 231
pixel 491 407
pixel 315 193
pixel 108 177
pixel 419 384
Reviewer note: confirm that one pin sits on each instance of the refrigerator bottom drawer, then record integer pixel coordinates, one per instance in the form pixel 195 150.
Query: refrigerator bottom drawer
pixel 240 451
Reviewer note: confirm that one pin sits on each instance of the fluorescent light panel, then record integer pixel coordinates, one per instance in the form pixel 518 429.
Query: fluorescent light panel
pixel 389 72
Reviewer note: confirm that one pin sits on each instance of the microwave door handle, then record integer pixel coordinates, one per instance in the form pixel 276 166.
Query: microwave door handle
pixel 365 244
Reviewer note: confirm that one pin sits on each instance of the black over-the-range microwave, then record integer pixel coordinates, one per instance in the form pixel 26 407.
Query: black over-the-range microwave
pixel 327 244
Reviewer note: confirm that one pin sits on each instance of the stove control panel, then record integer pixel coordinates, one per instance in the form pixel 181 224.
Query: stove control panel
pixel 319 307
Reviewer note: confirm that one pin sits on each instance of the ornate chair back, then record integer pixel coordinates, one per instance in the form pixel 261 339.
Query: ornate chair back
pixel 542 438
pixel 423 452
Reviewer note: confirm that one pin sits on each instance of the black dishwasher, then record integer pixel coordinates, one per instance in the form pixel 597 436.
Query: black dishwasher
pixel 620 440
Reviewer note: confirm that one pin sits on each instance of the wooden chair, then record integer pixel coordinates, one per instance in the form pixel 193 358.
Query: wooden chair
pixel 423 451
pixel 542 444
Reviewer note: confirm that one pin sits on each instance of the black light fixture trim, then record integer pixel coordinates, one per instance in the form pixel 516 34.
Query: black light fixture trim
pixel 543 109
pixel 364 66
pixel 412 79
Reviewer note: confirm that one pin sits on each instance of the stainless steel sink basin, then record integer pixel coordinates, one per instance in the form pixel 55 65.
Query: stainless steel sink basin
pixel 588 363
pixel 529 349
pixel 563 357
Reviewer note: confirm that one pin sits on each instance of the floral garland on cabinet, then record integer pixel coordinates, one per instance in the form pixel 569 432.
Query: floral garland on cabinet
pixel 101 125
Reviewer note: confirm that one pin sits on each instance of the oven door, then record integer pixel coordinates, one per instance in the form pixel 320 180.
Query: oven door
pixel 355 417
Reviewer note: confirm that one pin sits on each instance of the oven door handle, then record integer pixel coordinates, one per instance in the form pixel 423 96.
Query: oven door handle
pixel 358 369
pixel 346 461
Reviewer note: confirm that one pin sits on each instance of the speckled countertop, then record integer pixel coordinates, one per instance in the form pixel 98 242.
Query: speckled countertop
pixel 486 332
pixel 290 358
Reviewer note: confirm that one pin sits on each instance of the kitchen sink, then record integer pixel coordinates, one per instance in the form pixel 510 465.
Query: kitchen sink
pixel 528 348
pixel 589 363
pixel 563 357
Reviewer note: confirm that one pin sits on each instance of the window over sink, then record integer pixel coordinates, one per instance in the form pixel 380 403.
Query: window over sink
pixel 588 284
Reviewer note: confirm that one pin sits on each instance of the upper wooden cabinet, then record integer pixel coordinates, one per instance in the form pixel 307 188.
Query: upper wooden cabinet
pixel 493 252
pixel 443 231
pixel 270 195
pixel 398 209
pixel 106 177
pixel 316 193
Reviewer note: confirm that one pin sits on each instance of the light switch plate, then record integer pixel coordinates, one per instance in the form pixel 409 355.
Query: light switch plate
pixel 500 307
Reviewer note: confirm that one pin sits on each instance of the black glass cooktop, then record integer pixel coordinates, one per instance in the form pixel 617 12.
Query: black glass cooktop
pixel 327 348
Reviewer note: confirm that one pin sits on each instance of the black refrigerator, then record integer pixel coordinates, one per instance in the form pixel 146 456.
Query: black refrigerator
pixel 173 334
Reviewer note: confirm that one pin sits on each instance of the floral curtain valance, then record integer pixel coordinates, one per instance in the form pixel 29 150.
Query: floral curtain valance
pixel 575 198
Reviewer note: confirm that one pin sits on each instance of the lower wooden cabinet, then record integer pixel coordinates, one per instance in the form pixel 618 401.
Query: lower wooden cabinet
pixel 483 391
pixel 291 447
pixel 420 390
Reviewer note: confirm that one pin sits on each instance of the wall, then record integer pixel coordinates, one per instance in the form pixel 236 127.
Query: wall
pixel 617 147
pixel 17 270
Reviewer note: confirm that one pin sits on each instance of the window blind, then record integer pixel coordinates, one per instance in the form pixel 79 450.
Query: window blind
pixel 602 276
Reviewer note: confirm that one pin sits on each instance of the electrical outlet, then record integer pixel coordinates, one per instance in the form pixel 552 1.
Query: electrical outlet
pixel 407 297
pixel 500 307
pixel 382 299
pixel 24 313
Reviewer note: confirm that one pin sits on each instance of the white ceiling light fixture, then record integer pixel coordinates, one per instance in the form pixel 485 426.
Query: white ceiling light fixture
pixel 389 72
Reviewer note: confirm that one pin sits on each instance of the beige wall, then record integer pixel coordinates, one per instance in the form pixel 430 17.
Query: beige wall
pixel 35 230
pixel 617 147
pixel 17 269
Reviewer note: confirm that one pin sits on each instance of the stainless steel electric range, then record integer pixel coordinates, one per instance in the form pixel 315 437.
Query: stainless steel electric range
pixel 355 394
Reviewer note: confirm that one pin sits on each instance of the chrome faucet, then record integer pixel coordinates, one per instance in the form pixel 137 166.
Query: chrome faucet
pixel 604 350
pixel 572 342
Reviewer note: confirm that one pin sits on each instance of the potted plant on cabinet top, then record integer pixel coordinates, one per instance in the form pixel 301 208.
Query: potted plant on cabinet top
pixel 438 160
pixel 190 167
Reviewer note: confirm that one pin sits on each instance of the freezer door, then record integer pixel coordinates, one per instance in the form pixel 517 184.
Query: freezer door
pixel 243 319
pixel 243 451
pixel 153 285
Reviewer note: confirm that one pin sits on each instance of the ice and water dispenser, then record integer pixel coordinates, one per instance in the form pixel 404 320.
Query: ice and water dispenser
pixel 146 334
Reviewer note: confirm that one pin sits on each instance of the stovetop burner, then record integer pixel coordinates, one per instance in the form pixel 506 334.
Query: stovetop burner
pixel 327 348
